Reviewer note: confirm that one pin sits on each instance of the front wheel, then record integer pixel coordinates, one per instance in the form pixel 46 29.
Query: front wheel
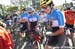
pixel 39 45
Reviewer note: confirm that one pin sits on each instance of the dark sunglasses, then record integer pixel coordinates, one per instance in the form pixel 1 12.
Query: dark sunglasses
pixel 44 7
pixel 29 12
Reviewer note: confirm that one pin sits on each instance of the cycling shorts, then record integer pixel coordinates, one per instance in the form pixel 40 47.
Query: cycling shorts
pixel 71 27
pixel 56 40
pixel 33 25
pixel 23 27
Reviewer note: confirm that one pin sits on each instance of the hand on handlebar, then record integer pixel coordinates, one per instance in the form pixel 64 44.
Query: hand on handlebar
pixel 49 34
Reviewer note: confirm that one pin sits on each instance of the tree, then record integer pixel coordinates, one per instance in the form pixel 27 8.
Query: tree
pixel 60 7
pixel 11 10
pixel 35 3
pixel 2 10
pixel 21 3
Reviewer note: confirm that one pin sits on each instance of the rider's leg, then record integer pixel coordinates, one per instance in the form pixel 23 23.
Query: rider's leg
pixel 61 40
pixel 71 31
pixel 72 35
pixel 51 42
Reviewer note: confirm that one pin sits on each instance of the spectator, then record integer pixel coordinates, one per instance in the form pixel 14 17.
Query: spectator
pixel 5 37
pixel 8 21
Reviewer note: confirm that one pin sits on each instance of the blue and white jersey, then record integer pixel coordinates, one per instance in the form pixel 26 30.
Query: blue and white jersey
pixel 33 18
pixel 24 16
pixel 57 18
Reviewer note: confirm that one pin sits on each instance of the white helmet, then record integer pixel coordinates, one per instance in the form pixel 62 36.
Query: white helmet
pixel 30 9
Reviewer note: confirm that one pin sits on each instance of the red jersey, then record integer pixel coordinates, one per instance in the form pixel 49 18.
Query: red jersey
pixel 70 17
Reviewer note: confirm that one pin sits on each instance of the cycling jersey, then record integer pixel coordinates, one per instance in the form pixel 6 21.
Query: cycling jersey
pixel 24 16
pixel 24 25
pixel 57 18
pixel 33 18
pixel 69 17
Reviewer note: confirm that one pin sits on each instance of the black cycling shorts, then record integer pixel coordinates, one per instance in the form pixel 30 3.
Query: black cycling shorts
pixel 56 40
pixel 71 27
pixel 33 25
pixel 23 27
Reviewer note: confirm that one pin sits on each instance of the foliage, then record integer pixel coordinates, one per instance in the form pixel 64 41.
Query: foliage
pixel 60 7
pixel 12 9
pixel 21 3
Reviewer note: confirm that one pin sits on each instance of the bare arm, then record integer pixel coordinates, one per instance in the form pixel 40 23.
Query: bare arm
pixel 60 31
pixel 28 26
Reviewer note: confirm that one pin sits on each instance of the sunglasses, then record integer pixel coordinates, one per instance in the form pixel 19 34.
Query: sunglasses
pixel 45 7
pixel 30 12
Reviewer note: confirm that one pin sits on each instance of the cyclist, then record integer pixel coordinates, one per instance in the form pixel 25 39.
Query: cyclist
pixel 70 18
pixel 23 21
pixel 56 17
pixel 33 19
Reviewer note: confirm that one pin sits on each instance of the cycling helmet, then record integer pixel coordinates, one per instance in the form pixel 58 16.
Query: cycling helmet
pixel 30 9
pixel 46 2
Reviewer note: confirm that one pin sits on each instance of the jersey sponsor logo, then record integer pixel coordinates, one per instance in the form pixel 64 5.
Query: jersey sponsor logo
pixel 55 23
pixel 32 19
pixel 25 18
